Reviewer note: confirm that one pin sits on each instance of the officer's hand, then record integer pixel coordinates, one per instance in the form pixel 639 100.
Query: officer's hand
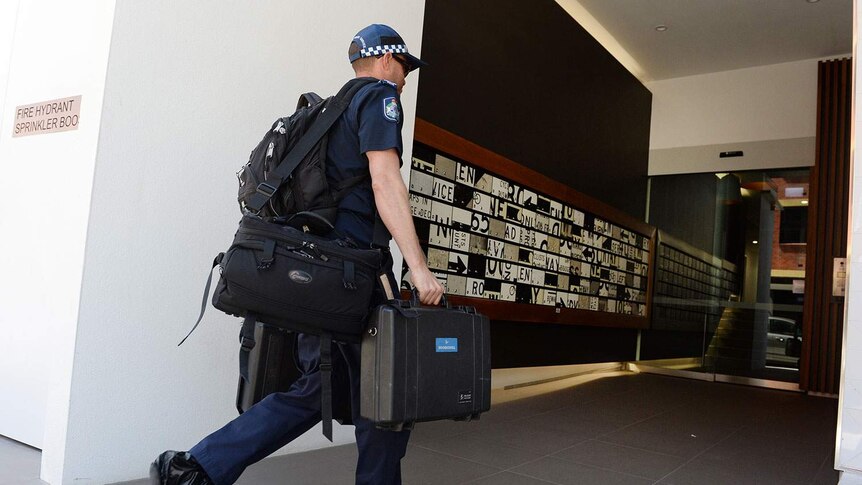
pixel 430 290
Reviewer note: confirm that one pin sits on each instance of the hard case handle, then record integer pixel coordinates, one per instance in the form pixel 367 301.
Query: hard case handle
pixel 414 299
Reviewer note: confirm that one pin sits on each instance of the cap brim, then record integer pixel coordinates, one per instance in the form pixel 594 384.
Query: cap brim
pixel 415 62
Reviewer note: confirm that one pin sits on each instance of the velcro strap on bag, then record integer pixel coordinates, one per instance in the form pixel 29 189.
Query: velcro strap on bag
pixel 246 343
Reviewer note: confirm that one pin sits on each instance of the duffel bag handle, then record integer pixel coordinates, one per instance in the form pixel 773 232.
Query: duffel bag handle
pixel 414 299
pixel 309 215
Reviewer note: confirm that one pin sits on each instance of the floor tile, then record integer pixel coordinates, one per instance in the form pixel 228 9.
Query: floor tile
pixel 569 422
pixel 632 461
pixel 481 451
pixel 334 465
pixel 508 478
pixel 570 473
pixel 674 434
pixel 703 471
pixel 621 410
pixel 422 466
pixel 530 438
pixel 435 430
pixel 783 461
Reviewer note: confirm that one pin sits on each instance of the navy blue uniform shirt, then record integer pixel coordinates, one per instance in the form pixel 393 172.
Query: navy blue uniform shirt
pixel 372 122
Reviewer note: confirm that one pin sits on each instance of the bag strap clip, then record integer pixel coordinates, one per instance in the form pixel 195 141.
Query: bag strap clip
pixel 268 256
pixel 349 275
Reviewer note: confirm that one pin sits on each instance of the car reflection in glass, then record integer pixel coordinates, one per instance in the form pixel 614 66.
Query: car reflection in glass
pixel 784 342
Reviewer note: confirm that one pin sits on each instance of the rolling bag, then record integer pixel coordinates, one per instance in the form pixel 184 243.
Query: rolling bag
pixel 267 364
pixel 425 364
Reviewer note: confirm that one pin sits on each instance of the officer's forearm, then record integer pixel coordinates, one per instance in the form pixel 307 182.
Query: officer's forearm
pixel 393 205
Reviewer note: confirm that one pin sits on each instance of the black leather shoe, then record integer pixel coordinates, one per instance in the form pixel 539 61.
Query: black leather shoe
pixel 177 468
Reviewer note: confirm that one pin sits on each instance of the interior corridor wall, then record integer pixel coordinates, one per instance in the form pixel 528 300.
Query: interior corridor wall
pixel 768 112
pixel 49 49
pixel 191 87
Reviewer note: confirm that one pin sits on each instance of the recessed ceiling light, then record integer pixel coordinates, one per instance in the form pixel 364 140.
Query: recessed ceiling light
pixel 661 28
pixel 812 1
pixel 754 242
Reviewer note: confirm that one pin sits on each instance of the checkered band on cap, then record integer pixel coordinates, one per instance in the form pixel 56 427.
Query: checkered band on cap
pixel 379 50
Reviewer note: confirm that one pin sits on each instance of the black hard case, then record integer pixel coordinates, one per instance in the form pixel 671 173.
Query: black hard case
pixel 271 365
pixel 405 379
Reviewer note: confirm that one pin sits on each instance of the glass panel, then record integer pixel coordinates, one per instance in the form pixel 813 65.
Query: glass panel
pixel 730 277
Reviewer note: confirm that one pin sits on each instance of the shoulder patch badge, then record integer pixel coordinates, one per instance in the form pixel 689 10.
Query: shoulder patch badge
pixel 391 110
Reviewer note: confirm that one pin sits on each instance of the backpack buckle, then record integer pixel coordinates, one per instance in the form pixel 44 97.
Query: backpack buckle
pixel 246 343
pixel 266 189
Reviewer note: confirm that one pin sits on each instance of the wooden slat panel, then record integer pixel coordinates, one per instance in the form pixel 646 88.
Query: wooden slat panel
pixel 827 229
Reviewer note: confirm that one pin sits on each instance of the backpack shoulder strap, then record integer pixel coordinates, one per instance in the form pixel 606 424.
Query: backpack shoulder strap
pixel 337 106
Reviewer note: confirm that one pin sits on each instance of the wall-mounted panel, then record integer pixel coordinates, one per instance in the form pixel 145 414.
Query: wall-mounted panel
pixel 523 246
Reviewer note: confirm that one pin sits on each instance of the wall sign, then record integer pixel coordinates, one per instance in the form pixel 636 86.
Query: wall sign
pixel 486 236
pixel 44 117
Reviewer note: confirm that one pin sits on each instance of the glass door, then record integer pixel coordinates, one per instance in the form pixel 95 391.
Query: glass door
pixel 730 276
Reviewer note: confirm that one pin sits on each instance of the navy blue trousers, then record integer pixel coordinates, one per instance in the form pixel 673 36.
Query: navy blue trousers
pixel 281 417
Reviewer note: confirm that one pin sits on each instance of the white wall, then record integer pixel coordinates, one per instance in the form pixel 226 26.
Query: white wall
pixel 848 454
pixel 768 111
pixel 187 96
pixel 60 49
pixel 8 18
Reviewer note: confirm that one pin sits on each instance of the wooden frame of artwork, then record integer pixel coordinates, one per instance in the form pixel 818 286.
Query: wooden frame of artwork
pixel 520 246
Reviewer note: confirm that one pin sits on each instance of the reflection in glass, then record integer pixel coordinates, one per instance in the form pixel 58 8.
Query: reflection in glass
pixel 730 273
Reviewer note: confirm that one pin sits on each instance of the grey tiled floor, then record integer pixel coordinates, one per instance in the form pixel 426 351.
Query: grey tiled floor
pixel 629 428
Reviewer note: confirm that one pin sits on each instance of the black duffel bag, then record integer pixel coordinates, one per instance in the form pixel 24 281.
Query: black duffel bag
pixel 297 280
pixel 283 276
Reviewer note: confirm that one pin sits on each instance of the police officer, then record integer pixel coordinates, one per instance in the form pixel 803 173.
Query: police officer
pixel 366 139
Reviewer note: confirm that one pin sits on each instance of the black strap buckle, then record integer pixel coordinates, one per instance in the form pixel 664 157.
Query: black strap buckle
pixel 325 367
pixel 266 189
pixel 246 343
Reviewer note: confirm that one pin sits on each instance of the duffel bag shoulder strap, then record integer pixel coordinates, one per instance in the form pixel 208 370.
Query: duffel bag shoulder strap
pixel 216 262
pixel 265 190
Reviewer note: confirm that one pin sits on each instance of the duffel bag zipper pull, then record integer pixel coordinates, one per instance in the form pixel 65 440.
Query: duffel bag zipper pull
pixel 316 252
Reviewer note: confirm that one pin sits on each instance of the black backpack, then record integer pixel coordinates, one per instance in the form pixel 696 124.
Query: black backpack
pixel 282 268
pixel 285 180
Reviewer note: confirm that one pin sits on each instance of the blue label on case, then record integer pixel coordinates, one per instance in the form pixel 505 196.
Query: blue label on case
pixel 447 345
